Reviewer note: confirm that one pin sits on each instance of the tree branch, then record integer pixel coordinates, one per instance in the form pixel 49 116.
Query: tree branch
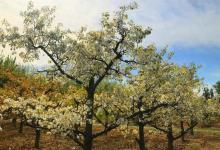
pixel 55 62
pixel 111 127
pixel 152 109
pixel 185 131
pixel 109 65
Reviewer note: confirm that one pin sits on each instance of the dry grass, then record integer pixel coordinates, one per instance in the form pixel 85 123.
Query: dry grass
pixel 205 139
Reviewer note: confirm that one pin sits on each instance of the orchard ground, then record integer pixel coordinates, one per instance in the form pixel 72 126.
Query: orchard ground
pixel 204 139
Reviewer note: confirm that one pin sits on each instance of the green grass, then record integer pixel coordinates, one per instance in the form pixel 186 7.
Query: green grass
pixel 209 131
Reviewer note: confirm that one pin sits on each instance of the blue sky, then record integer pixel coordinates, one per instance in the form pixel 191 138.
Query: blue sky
pixel 190 28
pixel 207 56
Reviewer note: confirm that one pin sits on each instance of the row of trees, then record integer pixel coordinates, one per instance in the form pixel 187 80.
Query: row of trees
pixel 114 79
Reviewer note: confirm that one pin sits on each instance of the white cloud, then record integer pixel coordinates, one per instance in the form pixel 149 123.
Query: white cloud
pixel 72 13
pixel 181 21
pixel 189 22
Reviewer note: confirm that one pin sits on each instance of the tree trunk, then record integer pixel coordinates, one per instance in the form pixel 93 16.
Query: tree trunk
pixel 182 131
pixel 37 138
pixel 170 137
pixel 141 141
pixel 88 139
pixel 170 142
pixel 192 129
pixel 14 121
pixel 192 132
pixel 21 126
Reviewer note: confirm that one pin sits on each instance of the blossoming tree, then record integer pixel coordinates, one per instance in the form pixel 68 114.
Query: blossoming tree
pixel 85 57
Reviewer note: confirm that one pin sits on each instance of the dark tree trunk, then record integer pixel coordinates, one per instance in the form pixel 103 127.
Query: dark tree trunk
pixel 106 121
pixel 141 141
pixel 14 121
pixel 21 126
pixel 182 131
pixel 192 132
pixel 88 139
pixel 170 137
pixel 192 129
pixel 170 142
pixel 37 138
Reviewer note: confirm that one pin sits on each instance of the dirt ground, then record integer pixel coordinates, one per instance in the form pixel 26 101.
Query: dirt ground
pixel 204 139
